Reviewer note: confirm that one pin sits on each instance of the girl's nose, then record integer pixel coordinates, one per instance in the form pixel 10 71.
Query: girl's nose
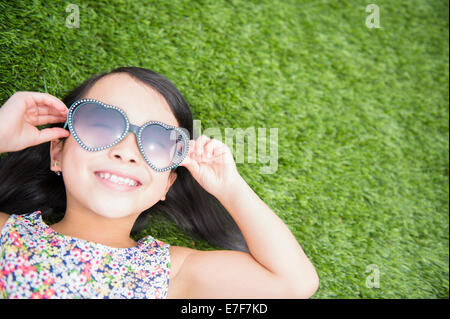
pixel 126 150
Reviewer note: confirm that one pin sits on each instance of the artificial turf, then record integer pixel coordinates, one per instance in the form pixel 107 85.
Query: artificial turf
pixel 362 114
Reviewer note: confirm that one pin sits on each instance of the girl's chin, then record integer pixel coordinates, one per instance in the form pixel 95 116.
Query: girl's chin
pixel 116 208
pixel 113 209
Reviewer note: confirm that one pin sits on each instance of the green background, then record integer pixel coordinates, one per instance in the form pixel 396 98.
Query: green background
pixel 362 113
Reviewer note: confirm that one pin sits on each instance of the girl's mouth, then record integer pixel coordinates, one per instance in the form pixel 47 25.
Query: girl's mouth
pixel 117 183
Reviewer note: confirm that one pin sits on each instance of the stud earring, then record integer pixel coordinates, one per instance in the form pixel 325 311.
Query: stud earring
pixel 57 172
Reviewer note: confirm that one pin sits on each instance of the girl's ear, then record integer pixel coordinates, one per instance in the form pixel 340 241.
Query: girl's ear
pixel 56 147
pixel 171 180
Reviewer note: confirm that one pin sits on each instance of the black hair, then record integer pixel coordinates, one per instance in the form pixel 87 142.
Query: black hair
pixel 27 183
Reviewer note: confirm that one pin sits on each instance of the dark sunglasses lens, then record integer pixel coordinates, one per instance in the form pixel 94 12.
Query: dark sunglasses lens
pixel 96 125
pixel 162 146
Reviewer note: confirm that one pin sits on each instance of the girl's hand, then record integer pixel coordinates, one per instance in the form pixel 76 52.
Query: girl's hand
pixel 212 165
pixel 20 115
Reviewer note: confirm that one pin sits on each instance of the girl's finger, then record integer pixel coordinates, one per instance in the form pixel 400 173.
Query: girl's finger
pixel 191 148
pixel 189 163
pixel 49 134
pixel 186 161
pixel 45 110
pixel 212 147
pixel 222 154
pixel 199 145
pixel 209 149
pixel 44 99
pixel 47 119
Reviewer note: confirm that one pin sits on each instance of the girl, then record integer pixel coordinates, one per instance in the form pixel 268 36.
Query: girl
pixel 108 180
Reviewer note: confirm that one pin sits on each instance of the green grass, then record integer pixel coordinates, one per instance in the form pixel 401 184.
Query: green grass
pixel 362 114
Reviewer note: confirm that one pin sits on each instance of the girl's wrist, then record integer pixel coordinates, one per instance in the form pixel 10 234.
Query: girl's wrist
pixel 232 189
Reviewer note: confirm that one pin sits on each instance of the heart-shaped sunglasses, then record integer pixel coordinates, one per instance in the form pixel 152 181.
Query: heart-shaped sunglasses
pixel 97 126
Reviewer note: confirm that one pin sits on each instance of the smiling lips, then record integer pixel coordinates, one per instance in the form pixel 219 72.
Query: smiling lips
pixel 117 181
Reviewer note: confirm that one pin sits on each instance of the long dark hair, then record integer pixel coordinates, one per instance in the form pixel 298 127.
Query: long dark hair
pixel 27 184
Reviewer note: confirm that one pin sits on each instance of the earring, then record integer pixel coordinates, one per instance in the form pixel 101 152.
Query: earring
pixel 57 172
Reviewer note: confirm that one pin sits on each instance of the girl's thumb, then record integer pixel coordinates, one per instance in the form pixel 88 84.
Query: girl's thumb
pixel 189 163
pixel 48 134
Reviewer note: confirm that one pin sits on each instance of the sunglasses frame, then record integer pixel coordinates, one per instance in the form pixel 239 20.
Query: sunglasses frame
pixel 137 130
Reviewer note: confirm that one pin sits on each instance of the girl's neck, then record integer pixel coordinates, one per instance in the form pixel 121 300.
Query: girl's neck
pixel 95 228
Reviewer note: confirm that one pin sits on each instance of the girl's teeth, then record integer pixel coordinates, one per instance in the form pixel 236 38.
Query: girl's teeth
pixel 118 180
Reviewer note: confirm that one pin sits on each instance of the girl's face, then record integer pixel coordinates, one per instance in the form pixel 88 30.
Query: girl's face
pixel 84 188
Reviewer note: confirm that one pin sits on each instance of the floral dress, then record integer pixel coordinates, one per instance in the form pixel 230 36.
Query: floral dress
pixel 37 262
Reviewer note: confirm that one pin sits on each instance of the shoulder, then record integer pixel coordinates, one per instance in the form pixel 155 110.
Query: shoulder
pixel 198 273
pixel 178 255
pixel 3 218
pixel 24 222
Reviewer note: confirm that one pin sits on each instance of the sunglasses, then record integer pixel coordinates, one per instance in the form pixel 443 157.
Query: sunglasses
pixel 97 126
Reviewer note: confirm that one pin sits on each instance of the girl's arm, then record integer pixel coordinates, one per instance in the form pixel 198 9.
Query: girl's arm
pixel 276 267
